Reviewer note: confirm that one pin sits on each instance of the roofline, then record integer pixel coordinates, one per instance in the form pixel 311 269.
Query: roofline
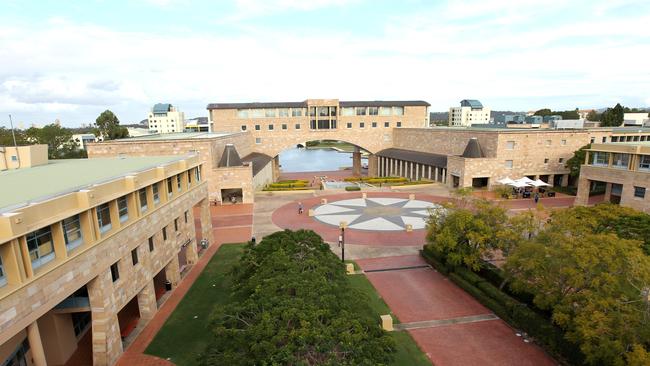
pixel 303 104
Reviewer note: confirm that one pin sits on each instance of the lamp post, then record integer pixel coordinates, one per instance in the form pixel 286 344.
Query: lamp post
pixel 342 225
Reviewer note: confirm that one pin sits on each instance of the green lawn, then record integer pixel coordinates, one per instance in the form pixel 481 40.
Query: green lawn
pixel 183 337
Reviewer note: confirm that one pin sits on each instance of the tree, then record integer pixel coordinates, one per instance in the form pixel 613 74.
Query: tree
pixel 593 116
pixel 7 139
pixel 613 117
pixel 109 126
pixel 293 305
pixel 578 158
pixel 58 140
pixel 543 112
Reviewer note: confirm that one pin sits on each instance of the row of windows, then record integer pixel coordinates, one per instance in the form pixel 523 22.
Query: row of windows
pixel 508 164
pixel 40 243
pixel 135 259
pixel 319 111
pixel 320 125
pixel 619 160
pixel 629 138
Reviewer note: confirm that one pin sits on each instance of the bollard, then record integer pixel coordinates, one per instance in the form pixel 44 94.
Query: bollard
pixel 349 267
pixel 387 323
pixel 323 201
pixel 310 212
pixel 409 228
pixel 364 195
pixel 411 196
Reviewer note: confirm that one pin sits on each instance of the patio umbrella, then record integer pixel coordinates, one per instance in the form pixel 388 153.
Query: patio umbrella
pixel 539 183
pixel 519 184
pixel 524 180
pixel 506 180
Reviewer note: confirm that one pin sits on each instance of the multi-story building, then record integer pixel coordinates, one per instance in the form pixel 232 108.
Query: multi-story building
pixel 636 119
pixel 85 258
pixel 82 139
pixel 623 168
pixel 165 118
pixel 471 112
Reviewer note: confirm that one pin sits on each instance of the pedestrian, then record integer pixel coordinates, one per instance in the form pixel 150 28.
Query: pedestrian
pixel 299 208
pixel 536 197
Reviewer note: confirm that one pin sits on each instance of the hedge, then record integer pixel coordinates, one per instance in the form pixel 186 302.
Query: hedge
pixel 293 181
pixel 288 185
pixel 352 188
pixel 376 179
pixel 271 189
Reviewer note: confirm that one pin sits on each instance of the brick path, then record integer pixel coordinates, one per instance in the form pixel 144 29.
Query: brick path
pixel 223 233
pixel 460 330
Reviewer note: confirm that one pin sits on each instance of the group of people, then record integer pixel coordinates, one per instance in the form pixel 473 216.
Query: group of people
pixel 526 192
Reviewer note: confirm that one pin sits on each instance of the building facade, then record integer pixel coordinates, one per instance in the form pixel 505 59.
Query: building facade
pixel 624 170
pixel 165 118
pixel 471 112
pixel 86 258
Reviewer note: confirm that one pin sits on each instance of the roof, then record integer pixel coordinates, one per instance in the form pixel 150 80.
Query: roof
pixel 471 103
pixel 175 136
pixel 230 157
pixel 473 149
pixel 372 103
pixel 162 108
pixel 438 160
pixel 258 160
pixel 58 177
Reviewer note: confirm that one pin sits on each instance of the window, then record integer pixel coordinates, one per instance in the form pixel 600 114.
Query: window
pixel 170 189
pixel 80 321
pixel 134 256
pixel 562 142
pixel 508 164
pixel 644 162
pixel 620 160
pixel 270 127
pixel 636 138
pixel 123 208
pixel 592 140
pixel 600 158
pixel 373 111
pixel 115 271
pixel 297 126
pixel 639 192
pixel 40 246
pixel 546 161
pixel 323 111
pixel 178 182
pixel 243 127
pixel 349 125
pixel 604 140
pixel 186 216
pixel 176 224
pixel 643 137
pixel 156 194
pixel 142 194
pixel 398 111
pixel 385 111
pixel 362 125
pixel 510 145
pixel 164 233
pixel 312 111
pixel 258 127
pixel 614 138
pixel 197 173
pixel 283 112
pixel 399 124
pixel 284 126
pixel 270 112
pixel 151 247
pixel 189 178
pixel 386 124
pixel 3 278
pixel 547 142
pixel 374 124
pixel 347 111
pixel 258 140
pixel 104 218
pixel 361 111
pixel 72 232
pixel 560 160
pixel 296 112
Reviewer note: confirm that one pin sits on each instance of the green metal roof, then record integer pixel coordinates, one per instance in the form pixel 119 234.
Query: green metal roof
pixel 162 108
pixel 28 185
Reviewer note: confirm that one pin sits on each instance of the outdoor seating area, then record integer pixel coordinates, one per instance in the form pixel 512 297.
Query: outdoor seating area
pixel 527 188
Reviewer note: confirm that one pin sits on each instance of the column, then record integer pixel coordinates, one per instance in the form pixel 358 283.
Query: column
pixel 551 179
pixel 372 165
pixel 191 252
pixel 206 221
pixel 608 191
pixel 565 180
pixel 435 174
pixel 429 175
pixel 401 167
pixel 356 162
pixel 582 198
pixel 147 301
pixel 417 171
pixel 106 338
pixel 173 272
pixel 444 175
pixel 391 166
pixel 276 168
pixel 36 345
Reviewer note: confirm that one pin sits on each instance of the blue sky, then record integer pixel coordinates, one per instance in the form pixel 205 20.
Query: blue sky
pixel 70 60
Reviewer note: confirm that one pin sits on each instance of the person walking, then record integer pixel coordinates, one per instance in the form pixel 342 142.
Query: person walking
pixel 536 197
pixel 299 208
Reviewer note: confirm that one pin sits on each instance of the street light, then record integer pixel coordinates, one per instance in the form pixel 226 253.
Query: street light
pixel 342 226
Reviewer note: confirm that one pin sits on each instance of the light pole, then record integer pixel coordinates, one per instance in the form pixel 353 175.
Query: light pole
pixel 342 225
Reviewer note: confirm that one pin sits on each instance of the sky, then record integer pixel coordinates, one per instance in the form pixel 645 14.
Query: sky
pixel 71 60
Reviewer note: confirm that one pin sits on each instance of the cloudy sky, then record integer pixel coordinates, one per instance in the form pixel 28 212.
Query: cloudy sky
pixel 70 60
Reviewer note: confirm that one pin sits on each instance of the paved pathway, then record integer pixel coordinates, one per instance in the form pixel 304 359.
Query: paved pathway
pixel 449 325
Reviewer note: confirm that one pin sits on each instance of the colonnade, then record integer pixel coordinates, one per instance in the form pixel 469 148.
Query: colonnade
pixel 411 170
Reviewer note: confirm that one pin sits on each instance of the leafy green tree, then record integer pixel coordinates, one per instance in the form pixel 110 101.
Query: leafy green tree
pixel 6 138
pixel 593 116
pixel 294 306
pixel 58 140
pixel 613 117
pixel 578 158
pixel 109 126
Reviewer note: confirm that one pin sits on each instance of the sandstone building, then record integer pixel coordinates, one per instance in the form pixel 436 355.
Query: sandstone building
pixel 86 257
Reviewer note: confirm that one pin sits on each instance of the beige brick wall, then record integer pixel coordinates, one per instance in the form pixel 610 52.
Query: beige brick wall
pixel 629 179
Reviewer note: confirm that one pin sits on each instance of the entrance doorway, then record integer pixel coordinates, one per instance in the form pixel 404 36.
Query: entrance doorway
pixel 481 182
pixel 233 195
pixel 455 180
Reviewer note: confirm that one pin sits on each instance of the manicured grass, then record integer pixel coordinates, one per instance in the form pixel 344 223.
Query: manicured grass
pixel 376 303
pixel 183 336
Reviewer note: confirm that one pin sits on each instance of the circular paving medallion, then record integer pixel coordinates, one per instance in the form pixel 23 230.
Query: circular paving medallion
pixel 376 214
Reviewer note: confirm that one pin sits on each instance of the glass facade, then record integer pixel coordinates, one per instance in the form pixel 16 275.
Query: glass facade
pixel 142 195
pixel 123 208
pixel 40 246
pixel 3 277
pixel 104 217
pixel 72 232
pixel 156 193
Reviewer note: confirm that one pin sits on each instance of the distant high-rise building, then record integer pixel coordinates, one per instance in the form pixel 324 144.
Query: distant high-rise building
pixel 165 118
pixel 470 112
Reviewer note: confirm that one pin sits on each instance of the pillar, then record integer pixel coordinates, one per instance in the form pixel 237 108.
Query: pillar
pixel 206 221
pixel 582 198
pixel 356 162
pixel 373 170
pixel 147 301
pixel 36 345
pixel 429 175
pixel 565 180
pixel 551 179
pixel 276 168
pixel 417 171
pixel 106 338
pixel 191 252
pixel 435 174
pixel 608 192
pixel 173 272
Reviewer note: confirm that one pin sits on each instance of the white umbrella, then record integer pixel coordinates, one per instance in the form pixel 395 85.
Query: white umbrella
pixel 518 184
pixel 524 180
pixel 539 183
pixel 506 180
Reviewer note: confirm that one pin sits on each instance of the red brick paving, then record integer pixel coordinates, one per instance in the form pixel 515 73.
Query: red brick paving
pixel 234 220
pixel 423 294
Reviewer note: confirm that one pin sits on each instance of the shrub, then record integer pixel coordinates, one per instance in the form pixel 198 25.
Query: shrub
pixel 273 189
pixel 352 188
pixel 487 301
pixel 438 265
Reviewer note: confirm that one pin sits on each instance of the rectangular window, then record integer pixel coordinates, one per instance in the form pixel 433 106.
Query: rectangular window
pixel 270 112
pixel 508 164
pixel 361 111
pixel 604 140
pixel 40 246
pixel 123 208
pixel 600 158
pixel 592 140
pixel 297 126
pixel 362 125
pixel 104 218
pixel 242 113
pixel 385 111
pixel 256 113
pixel 243 127
pixel 170 187
pixel 178 182
pixel 510 145
pixel 156 193
pixel 296 112
pixel 642 138
pixel 374 124
pixel 258 140
pixel 3 278
pixel 639 192
pixel 312 124
pixel 563 142
pixel 560 160
pixel 186 216
pixel 189 178
pixel 283 112
pixel 333 124
pixel 333 111
pixel 115 271
pixel 151 244
pixel 323 111
pixel 373 111
pixel 258 127
pixel 347 111
pixel 614 138
pixel 398 111
pixel 270 127
pixel 312 111
pixel 134 256
pixel 197 174
pixel 164 233
pixel 349 125
pixel 399 124
pixel 142 194
pixel 644 162
pixel 386 124
pixel 284 126
pixel 176 224
pixel 620 160
pixel 546 161
pixel 636 138
pixel 72 232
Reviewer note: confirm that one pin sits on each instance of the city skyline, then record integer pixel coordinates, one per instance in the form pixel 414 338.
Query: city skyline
pixel 72 61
